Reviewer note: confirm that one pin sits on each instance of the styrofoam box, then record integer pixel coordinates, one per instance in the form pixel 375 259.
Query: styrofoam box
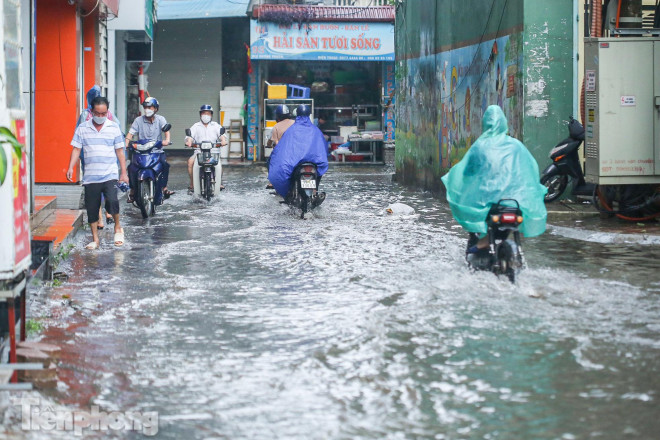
pixel 231 98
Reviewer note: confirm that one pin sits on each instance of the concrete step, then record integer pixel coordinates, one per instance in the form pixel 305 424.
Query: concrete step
pixel 69 196
pixel 60 227
pixel 44 206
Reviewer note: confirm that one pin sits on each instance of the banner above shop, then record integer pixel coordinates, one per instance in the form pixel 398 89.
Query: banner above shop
pixel 322 41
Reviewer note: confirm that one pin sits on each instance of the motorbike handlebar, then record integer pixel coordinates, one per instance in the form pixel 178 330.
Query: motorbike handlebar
pixel 196 145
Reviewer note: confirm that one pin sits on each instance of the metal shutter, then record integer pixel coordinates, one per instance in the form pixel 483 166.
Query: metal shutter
pixel 186 71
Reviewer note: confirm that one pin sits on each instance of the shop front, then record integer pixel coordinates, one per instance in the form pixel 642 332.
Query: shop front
pixel 343 69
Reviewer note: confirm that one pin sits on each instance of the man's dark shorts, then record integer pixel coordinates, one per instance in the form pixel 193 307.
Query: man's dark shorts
pixel 93 193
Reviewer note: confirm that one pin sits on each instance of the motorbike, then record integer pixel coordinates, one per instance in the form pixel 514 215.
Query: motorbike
pixel 148 191
pixel 303 193
pixel 504 255
pixel 207 171
pixel 566 166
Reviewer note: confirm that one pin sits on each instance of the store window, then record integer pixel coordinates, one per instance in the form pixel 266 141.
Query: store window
pixel 344 93
pixel 12 46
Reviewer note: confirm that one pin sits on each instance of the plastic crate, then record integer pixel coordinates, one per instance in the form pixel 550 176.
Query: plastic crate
pixel 298 92
pixel 277 91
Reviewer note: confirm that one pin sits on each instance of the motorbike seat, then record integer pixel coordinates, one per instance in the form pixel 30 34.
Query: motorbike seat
pixel 565 147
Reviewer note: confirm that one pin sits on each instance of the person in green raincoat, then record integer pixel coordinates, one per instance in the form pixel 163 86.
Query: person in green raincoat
pixel 496 167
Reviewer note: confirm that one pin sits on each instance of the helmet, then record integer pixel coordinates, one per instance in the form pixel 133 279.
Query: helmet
pixel 150 102
pixel 303 110
pixel 206 108
pixel 281 110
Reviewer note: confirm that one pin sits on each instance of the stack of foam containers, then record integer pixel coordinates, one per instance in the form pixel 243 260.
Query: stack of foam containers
pixel 231 104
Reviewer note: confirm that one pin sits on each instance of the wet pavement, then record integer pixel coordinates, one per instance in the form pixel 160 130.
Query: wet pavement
pixel 237 320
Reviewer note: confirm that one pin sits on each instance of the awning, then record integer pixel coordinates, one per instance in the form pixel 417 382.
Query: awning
pixel 113 5
pixel 187 9
pixel 91 5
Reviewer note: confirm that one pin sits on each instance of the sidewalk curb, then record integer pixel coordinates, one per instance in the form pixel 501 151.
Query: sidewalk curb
pixel 605 237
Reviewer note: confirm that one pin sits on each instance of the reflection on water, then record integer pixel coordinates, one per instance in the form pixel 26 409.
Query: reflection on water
pixel 237 320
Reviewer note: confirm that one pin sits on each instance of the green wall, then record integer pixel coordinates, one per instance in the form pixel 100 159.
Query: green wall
pixel 548 69
pixel 456 57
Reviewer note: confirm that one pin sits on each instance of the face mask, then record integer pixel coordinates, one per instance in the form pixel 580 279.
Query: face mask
pixel 148 113
pixel 99 120
pixel 206 119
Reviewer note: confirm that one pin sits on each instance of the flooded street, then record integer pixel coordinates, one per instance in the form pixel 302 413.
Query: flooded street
pixel 237 320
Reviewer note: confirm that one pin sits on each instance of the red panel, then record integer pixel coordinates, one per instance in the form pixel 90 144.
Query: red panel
pixel 56 94
pixel 55 121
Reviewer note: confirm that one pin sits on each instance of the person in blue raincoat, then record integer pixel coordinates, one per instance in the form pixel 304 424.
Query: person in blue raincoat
pixel 496 167
pixel 302 142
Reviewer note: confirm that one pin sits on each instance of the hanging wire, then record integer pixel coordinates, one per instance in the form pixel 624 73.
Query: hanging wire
pixel 476 53
pixel 98 2
pixel 467 101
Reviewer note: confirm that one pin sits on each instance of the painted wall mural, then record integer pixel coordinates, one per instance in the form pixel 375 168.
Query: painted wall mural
pixel 449 93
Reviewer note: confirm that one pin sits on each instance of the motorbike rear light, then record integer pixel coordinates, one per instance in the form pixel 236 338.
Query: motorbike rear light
pixel 519 219
pixel 558 158
pixel 509 218
pixel 308 169
pixel 495 218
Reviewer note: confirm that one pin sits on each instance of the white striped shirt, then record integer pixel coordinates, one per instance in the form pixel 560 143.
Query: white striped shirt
pixel 99 148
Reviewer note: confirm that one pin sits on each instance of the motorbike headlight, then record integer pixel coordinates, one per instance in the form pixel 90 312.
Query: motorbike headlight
pixel 147 146
pixel 206 145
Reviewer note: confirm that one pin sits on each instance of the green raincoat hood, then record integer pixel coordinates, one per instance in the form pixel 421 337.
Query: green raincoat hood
pixel 496 167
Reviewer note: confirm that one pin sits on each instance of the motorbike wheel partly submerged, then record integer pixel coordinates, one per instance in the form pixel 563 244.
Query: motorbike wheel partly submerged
pixel 207 185
pixel 145 198
pixel 304 205
pixel 507 261
pixel 556 184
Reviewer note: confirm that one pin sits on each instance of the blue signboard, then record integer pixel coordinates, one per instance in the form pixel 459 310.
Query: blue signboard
pixel 322 41
pixel 253 114
pixel 389 101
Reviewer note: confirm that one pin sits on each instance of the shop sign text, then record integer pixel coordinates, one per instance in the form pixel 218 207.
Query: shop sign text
pixel 323 41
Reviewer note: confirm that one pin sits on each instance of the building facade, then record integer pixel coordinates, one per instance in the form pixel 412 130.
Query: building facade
pixel 339 59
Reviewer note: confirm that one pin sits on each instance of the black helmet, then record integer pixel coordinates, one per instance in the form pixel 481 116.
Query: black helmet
pixel 303 110
pixel 206 108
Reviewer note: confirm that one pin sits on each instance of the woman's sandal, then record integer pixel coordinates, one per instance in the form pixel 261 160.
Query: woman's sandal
pixel 167 193
pixel 92 246
pixel 119 238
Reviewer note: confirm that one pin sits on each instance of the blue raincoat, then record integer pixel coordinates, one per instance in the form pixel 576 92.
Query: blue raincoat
pixel 496 167
pixel 302 142
pixel 87 112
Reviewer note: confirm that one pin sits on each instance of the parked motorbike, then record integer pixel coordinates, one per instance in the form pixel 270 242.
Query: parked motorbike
pixel 566 165
pixel 303 193
pixel 504 255
pixel 207 171
pixel 148 191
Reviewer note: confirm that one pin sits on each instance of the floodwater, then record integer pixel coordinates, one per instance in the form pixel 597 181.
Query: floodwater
pixel 237 320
